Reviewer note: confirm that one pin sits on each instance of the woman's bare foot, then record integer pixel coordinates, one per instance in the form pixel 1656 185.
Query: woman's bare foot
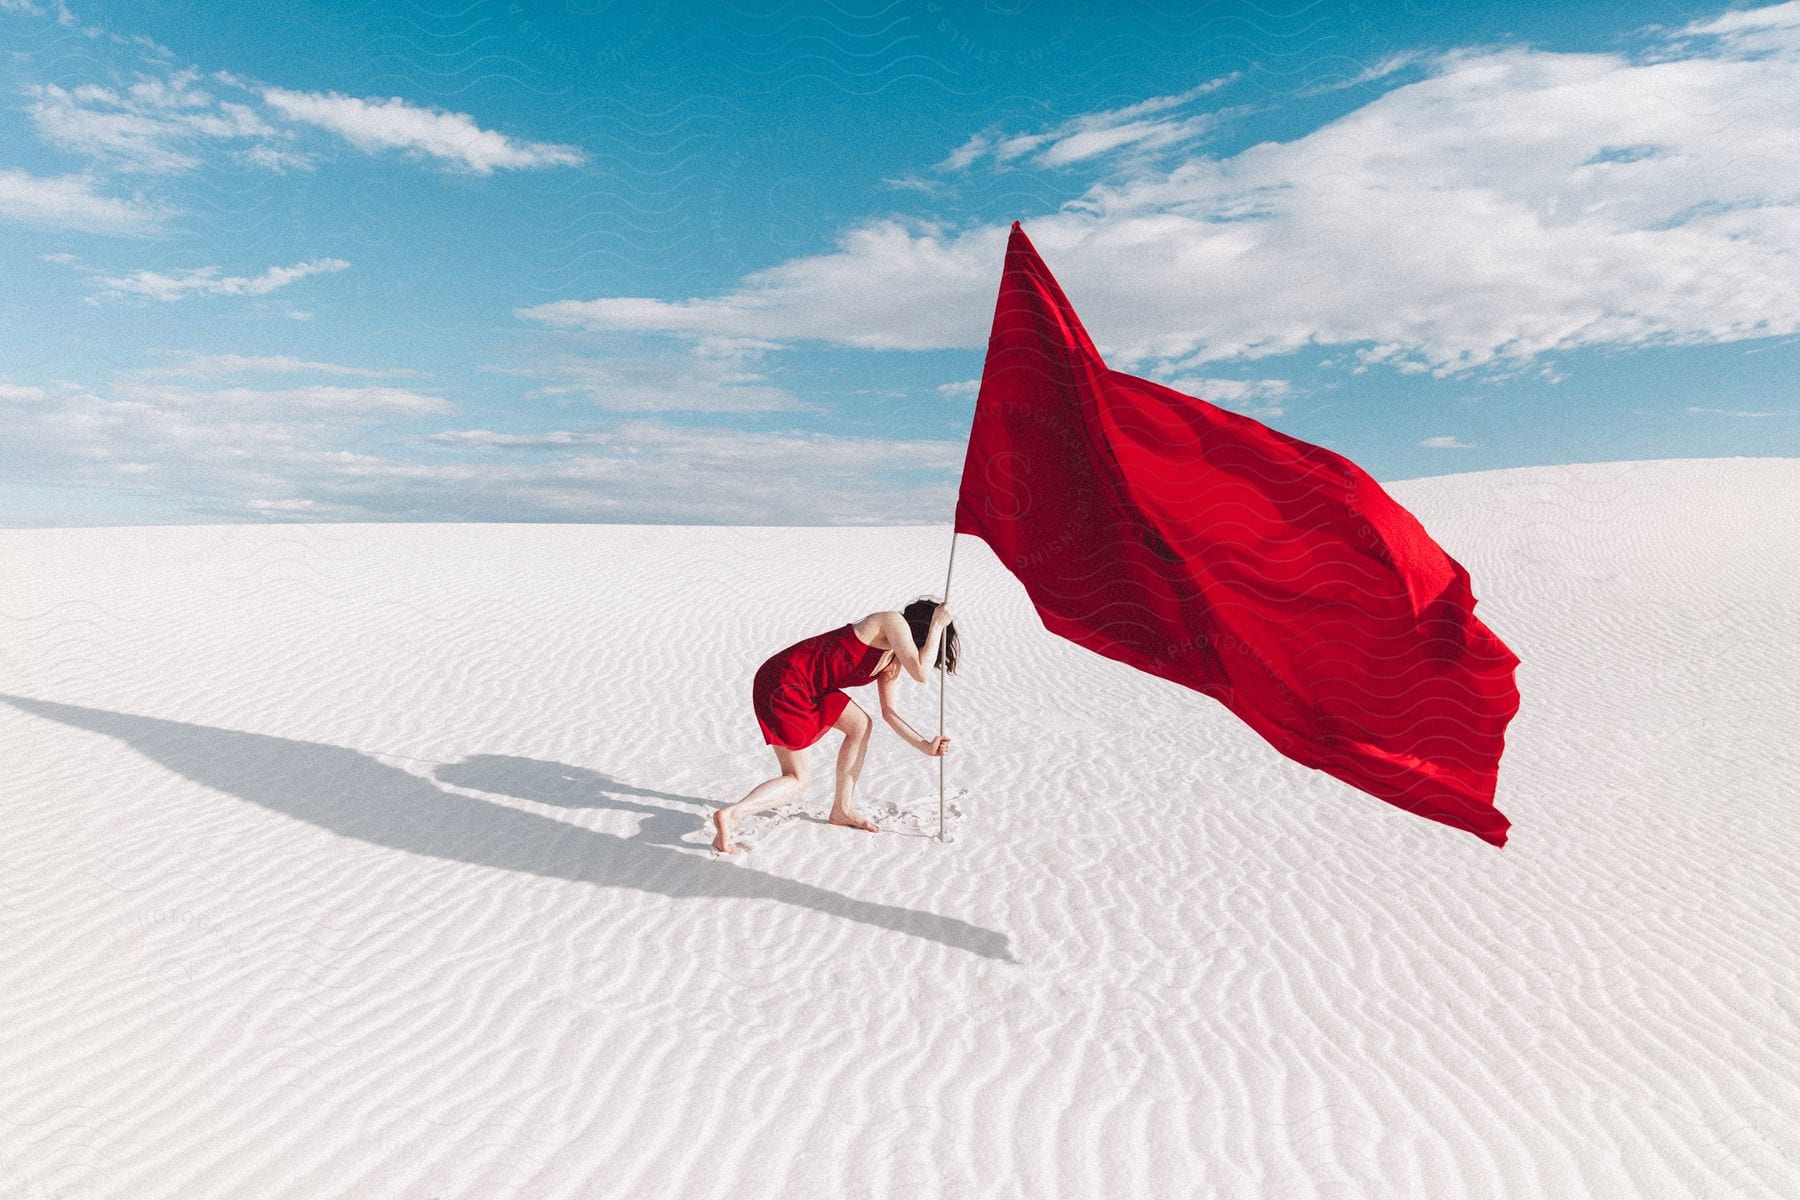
pixel 854 819
pixel 722 842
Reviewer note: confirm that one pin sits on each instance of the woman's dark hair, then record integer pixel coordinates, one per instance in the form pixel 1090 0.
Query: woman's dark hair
pixel 918 619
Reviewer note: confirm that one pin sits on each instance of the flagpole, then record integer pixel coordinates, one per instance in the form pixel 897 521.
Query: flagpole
pixel 942 837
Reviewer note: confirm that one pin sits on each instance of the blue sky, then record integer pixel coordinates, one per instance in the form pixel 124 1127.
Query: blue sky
pixel 607 262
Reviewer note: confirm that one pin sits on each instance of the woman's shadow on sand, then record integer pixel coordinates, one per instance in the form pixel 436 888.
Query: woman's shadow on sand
pixel 562 786
pixel 353 794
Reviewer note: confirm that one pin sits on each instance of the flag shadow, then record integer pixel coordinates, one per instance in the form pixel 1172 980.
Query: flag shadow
pixel 352 794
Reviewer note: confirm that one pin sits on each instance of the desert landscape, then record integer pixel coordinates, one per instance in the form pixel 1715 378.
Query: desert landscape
pixel 371 860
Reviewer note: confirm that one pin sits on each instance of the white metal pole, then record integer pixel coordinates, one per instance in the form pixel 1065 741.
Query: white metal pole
pixel 942 836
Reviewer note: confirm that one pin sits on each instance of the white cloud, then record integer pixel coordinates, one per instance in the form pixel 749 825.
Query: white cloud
pixel 274 158
pixel 962 389
pixel 70 202
pixel 223 453
pixel 484 438
pixel 393 124
pixel 354 404
pixel 1732 412
pixel 913 183
pixel 716 448
pixel 64 17
pixel 146 126
pixel 1767 28
pixel 1512 204
pixel 31 8
pixel 713 374
pixel 890 286
pixel 1141 126
pixel 209 366
pixel 14 393
pixel 1379 69
pixel 1444 442
pixel 159 123
pixel 286 453
pixel 206 281
pixel 646 468
pixel 966 154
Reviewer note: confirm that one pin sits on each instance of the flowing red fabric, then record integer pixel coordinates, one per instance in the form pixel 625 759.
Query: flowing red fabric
pixel 1206 548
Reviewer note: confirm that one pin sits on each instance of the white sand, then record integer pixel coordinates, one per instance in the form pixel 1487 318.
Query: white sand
pixel 367 860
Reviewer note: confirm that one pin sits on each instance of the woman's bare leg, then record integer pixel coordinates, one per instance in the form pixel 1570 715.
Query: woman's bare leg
pixel 767 794
pixel 856 726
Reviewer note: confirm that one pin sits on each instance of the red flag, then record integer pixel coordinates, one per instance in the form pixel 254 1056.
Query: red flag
pixel 1206 548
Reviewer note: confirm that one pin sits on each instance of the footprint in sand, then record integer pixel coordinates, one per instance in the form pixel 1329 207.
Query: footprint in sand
pixel 918 818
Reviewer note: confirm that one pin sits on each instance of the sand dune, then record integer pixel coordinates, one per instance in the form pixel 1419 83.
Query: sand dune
pixel 369 860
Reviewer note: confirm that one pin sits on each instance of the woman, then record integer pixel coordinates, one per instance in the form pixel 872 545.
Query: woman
pixel 797 697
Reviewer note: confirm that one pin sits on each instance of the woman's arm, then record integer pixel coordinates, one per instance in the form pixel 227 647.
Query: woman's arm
pixel 885 685
pixel 912 659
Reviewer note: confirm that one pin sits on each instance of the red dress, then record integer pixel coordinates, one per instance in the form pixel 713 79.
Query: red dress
pixel 796 694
